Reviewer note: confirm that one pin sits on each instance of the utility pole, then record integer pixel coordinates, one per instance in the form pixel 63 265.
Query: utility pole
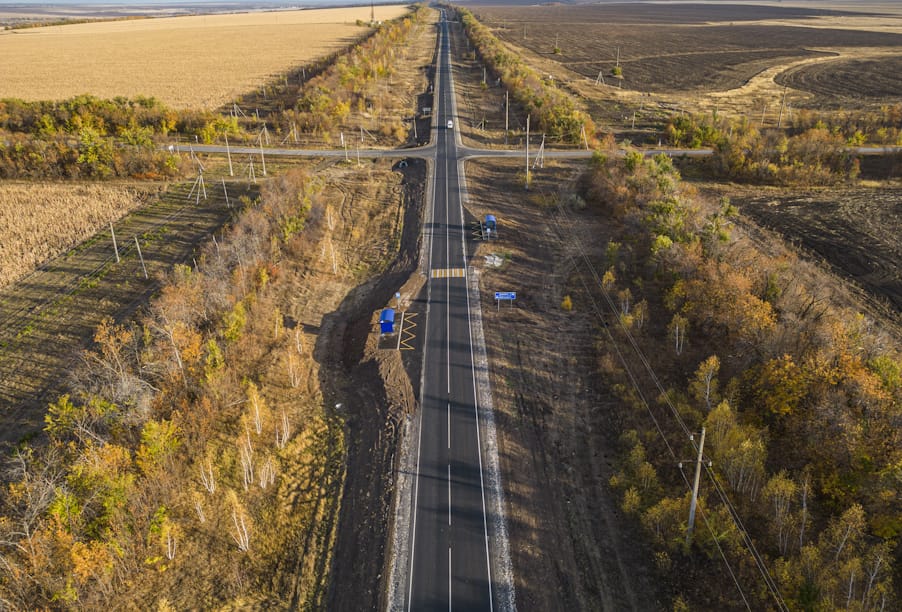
pixel 527 152
pixel 782 105
pixel 507 105
pixel 698 473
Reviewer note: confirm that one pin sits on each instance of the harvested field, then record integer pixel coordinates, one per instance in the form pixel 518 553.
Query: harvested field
pixel 379 110
pixel 187 62
pixel 40 221
pixel 47 318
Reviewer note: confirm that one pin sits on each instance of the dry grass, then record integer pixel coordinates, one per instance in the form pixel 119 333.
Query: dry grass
pixel 188 62
pixel 41 221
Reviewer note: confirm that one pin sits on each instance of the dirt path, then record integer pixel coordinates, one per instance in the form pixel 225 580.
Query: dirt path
pixel 375 393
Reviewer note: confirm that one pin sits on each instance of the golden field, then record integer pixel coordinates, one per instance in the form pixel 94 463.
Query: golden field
pixel 41 221
pixel 187 62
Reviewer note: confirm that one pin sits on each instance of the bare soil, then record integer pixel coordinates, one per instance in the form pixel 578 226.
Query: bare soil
pixel 671 48
pixel 852 231
pixel 735 59
pixel 848 82
pixel 480 108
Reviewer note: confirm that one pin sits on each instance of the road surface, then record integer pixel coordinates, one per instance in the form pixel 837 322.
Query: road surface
pixel 449 565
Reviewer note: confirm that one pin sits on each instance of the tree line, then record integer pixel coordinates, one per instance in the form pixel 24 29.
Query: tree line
pixel 353 84
pixel 193 446
pixel 813 151
pixel 554 111
pixel 801 400
pixel 86 137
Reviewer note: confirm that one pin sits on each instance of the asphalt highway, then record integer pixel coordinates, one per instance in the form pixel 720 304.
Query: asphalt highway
pixel 449 564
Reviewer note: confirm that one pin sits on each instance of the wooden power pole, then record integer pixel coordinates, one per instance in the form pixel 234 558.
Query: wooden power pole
pixel 692 504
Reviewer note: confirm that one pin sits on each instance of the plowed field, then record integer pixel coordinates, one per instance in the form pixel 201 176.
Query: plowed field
pixel 854 231
pixel 847 82
pixel 674 48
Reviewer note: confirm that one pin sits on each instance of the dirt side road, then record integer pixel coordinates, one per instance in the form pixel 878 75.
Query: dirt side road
pixel 571 546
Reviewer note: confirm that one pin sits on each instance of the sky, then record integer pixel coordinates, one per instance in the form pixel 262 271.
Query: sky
pixel 114 3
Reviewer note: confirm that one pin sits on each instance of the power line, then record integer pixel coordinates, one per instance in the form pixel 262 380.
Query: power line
pixel 721 493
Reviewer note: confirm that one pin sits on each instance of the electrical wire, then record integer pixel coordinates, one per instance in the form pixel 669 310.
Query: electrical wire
pixel 559 222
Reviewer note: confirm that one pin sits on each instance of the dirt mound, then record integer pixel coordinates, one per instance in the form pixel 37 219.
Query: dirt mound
pixel 374 393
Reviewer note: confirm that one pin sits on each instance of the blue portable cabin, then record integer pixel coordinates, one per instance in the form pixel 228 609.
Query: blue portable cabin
pixel 387 321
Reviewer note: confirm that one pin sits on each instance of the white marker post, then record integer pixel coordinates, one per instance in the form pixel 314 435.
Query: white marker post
pixel 226 193
pixel 229 155
pixel 141 257
pixel 115 248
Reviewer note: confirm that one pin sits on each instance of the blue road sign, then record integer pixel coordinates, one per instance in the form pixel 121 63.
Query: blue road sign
pixel 505 295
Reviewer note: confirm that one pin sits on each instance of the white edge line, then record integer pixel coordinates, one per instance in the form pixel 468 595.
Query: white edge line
pixel 430 220
pixel 504 569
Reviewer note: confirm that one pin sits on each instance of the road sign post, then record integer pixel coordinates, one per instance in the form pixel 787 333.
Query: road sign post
pixel 510 296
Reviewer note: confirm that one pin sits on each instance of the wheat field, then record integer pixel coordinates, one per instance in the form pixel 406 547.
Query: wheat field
pixel 39 221
pixel 201 61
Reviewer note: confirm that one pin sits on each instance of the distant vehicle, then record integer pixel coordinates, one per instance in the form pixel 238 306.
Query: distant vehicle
pixel 450 124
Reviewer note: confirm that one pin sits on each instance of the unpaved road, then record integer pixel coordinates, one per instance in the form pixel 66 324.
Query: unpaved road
pixel 571 546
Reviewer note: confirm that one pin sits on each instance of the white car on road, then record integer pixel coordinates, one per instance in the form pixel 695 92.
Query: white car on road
pixel 450 124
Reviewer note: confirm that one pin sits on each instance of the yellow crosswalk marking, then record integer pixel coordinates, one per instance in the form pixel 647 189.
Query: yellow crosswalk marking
pixel 407 332
pixel 449 272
